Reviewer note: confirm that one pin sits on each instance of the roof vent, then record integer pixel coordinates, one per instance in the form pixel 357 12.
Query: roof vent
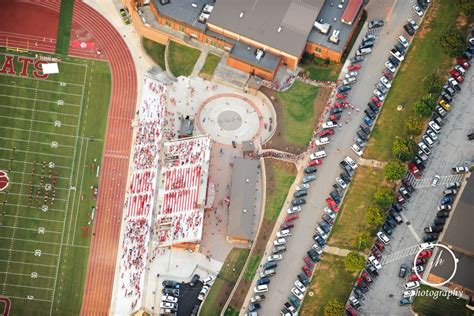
pixel 194 5
pixel 258 55
pixel 279 29
pixel 241 15
pixel 245 211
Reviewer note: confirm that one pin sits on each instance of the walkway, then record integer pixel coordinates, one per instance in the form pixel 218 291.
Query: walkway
pixel 199 63
pixel 371 163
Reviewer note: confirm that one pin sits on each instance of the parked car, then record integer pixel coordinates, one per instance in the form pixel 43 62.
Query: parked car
pixel 310 170
pixel 390 66
pixel 409 29
pixel 300 193
pixel 402 40
pixel 413 24
pixel 309 178
pixel 354 67
pixel 403 271
pixel 297 202
pixel 383 238
pixel 417 10
pixel 283 233
pixel 460 170
pixel 194 280
pixel 376 24
pixel 430 237
pixel 379 95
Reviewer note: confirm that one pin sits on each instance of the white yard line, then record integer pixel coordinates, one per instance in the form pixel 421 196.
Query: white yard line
pixel 31 229
pixel 36 186
pixel 31 287
pixel 37 132
pixel 38 175
pixel 32 252
pixel 35 152
pixel 28 275
pixel 40 80
pixel 42 90
pixel 30 207
pixel 29 299
pixel 38 100
pixel 34 218
pixel 33 241
pixel 13 119
pixel 74 197
pixel 26 195
pixel 32 141
pixel 16 108
pixel 28 263
pixel 30 163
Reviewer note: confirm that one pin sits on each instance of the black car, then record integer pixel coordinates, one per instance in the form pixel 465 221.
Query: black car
pixel 254 306
pixel 264 280
pixel 403 271
pixel 344 176
pixel 408 186
pixel 372 270
pixel 303 278
pixel 376 23
pixel 373 107
pixel 324 226
pixel 327 219
pixel 439 221
pixel 270 265
pixel 357 59
pixel 170 291
pixel 358 293
pixel 409 29
pixel 310 169
pixel 391 223
pixel 387 230
pixel 319 240
pixel 364 128
pixel 170 284
pixel 399 47
pixel 442 214
pixel 419 164
pixel 446 97
pixel 335 196
pixel 430 237
pixel 300 193
pixel 336 110
pixel 396 207
pixel 313 255
pixel 297 202
pixel 370 113
pixel 394 61
pixel 194 280
pixel 344 88
pixel 470 136
pixel 362 135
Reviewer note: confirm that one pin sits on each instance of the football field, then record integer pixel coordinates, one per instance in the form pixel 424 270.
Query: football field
pixel 51 142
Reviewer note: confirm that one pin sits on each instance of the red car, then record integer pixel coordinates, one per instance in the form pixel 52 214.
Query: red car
pixel 459 79
pixel 354 67
pixel 400 199
pixel 387 74
pixel 424 254
pixel 335 117
pixel 376 253
pixel 332 204
pixel 315 162
pixel 326 132
pixel 413 169
pixel 341 95
pixel 339 104
pixel 413 277
pixel 454 73
pixel 287 225
pixel 380 246
pixel 308 262
pixel 420 262
pixel 291 217
pixel 307 271
pixel 463 62
pixel 367 277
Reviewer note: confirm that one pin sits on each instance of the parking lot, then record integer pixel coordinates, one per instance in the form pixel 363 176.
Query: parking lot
pixel 301 240
pixel 452 149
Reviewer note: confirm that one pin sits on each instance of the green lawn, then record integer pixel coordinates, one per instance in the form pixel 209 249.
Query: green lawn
pixel 156 51
pixel 226 279
pixel 44 257
pixel 318 70
pixel 281 180
pixel 64 27
pixel 423 58
pixel 329 281
pixel 252 267
pixel 210 65
pixel 351 219
pixel 181 59
pixel 230 312
pixel 427 306
pixel 298 118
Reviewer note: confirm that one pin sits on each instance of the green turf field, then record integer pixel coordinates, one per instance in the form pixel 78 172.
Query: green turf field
pixel 50 129
pixel 64 27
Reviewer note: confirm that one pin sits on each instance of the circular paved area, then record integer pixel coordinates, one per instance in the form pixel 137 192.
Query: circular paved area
pixel 228 117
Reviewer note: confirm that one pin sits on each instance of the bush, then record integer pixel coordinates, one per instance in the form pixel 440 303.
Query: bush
pixel 394 170
pixel 374 215
pixel 334 307
pixel 383 197
pixel 433 83
pixel 425 106
pixel 453 42
pixel 414 125
pixel 402 149
pixel 364 240
pixel 353 262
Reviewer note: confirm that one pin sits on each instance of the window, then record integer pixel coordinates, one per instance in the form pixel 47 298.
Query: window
pixel 168 23
pixel 181 29
pixel 317 50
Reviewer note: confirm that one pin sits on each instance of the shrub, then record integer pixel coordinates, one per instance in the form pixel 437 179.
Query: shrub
pixel 374 215
pixel 353 262
pixel 402 149
pixel 453 42
pixel 414 125
pixel 394 170
pixel 334 307
pixel 383 197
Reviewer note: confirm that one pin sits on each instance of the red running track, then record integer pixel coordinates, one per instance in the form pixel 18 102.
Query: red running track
pixel 104 246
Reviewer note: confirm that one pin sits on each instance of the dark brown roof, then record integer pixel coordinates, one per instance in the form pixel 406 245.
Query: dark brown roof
pixel 261 20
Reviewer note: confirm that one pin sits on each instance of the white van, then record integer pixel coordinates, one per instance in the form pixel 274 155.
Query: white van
pixel 317 155
pixel 351 162
pixel 322 141
pixel 261 288
pixel 350 80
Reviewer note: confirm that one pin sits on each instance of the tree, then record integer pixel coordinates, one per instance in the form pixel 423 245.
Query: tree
pixel 402 149
pixel 334 307
pixel 422 109
pixel 429 101
pixel 374 215
pixel 414 125
pixel 353 262
pixel 394 170
pixel 364 240
pixel 453 42
pixel 383 197
pixel 433 83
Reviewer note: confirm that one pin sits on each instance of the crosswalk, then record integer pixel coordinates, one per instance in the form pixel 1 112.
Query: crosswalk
pixel 426 182
pixel 375 31
pixel 400 254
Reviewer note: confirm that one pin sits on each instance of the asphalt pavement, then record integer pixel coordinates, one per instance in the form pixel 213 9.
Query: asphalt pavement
pixel 395 14
pixel 452 149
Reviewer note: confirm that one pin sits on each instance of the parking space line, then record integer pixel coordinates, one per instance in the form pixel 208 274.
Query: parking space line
pixel 400 254
pixel 426 182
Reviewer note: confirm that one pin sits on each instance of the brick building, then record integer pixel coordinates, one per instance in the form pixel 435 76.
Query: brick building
pixel 262 35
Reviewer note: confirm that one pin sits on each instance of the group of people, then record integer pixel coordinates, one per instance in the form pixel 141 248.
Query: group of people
pixel 46 191
pixel 187 152
pixel 183 226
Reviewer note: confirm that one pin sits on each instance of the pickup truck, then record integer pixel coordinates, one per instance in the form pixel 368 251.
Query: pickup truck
pixel 460 169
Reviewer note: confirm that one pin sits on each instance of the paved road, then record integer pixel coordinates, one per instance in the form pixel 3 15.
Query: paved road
pixel 451 149
pixel 301 240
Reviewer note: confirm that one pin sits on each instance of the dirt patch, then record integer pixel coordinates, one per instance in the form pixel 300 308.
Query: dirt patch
pixel 461 22
pixel 278 140
pixel 426 27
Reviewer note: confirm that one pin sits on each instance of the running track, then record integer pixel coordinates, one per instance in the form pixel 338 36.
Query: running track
pixel 114 169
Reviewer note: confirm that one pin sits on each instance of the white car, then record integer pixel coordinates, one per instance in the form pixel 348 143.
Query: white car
pixel 279 242
pixel 383 238
pixel 209 279
pixel 390 66
pixel 385 82
pixel 294 209
pixel 341 183
pixel 330 213
pixel 379 95
pixel 403 41
pixel 412 285
pixel 297 293
pixel 203 293
pixel 350 162
pixel 417 269
pixel 274 258
pixel 168 305
pixel 435 127
pixel 261 288
pixel 413 24
pixel 317 248
pixel 351 74
pixel 425 148
pixel 302 186
pixel 426 245
pixel 417 10
pixel 375 262
pixel 395 53
pixel 329 124
pixel 409 293
pixel 357 149
pixel 321 233
pixel 435 180
pixel 432 134
pixel 283 233
pixel 169 298
pixel 300 286
pixel 322 141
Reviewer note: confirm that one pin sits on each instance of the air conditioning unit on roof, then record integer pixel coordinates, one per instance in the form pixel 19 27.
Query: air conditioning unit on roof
pixel 335 37
pixel 324 28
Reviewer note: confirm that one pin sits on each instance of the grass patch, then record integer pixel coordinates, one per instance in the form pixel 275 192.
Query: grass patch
pixel 252 267
pixel 225 281
pixel 30 109
pixel 64 27
pixel 298 117
pixel 426 305
pixel 231 312
pixel 181 59
pixel 156 51
pixel 351 220
pixel 318 70
pixel 282 178
pixel 424 57
pixel 210 65
pixel 330 280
